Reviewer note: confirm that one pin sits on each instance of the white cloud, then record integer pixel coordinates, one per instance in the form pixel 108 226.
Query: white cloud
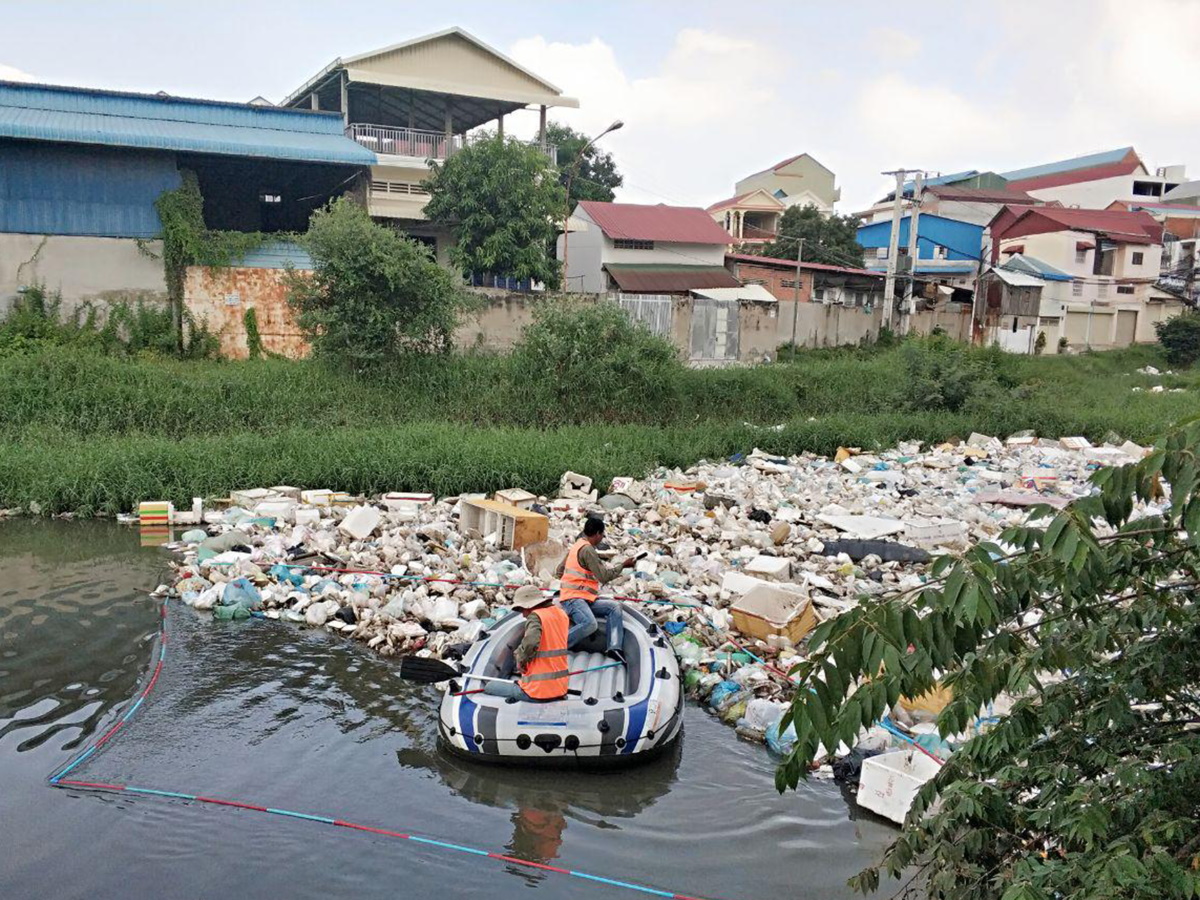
pixel 893 45
pixel 1151 75
pixel 675 145
pixel 9 73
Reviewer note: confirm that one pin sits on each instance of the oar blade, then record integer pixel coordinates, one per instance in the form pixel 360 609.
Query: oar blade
pixel 425 671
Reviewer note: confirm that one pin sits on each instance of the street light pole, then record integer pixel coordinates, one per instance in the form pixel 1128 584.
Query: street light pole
pixel 571 172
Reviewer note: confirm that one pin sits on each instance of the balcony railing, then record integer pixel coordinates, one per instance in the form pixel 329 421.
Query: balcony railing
pixel 389 141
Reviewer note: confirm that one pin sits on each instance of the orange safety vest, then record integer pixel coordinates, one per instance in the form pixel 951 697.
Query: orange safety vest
pixel 545 678
pixel 577 582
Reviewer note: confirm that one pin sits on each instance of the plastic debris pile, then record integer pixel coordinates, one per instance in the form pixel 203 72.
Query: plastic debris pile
pixel 744 555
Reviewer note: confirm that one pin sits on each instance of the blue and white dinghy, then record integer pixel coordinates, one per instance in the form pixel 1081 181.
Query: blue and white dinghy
pixel 611 717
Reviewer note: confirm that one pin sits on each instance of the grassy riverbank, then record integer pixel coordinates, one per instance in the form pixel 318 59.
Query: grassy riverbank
pixel 90 433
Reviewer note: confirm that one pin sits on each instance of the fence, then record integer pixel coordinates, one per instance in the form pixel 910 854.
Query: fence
pixel 651 310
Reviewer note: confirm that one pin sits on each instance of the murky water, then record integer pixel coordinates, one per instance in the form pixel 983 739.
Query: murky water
pixel 280 717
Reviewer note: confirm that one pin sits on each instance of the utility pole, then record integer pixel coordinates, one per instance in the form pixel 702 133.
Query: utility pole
pixel 889 285
pixel 914 250
pixel 796 295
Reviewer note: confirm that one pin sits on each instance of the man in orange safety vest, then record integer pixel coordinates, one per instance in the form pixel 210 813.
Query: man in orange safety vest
pixel 581 574
pixel 541 656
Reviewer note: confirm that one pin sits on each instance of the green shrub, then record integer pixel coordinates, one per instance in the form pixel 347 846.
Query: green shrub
pixel 374 296
pixel 579 362
pixel 1180 338
pixel 941 374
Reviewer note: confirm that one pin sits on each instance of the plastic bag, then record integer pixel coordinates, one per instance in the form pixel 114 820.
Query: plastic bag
pixel 762 713
pixel 724 694
pixel 287 575
pixel 780 743
pixel 240 592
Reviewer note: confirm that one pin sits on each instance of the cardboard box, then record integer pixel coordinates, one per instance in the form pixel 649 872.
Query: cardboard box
pixel 772 609
pixel 513 527
pixel 316 498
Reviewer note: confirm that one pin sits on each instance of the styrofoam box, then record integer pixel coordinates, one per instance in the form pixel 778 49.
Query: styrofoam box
pixel 890 781
pixel 774 568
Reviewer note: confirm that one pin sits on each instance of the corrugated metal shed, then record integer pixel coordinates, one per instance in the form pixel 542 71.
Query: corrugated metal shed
pixel 277 255
pixel 152 122
pixel 652 279
pixel 47 189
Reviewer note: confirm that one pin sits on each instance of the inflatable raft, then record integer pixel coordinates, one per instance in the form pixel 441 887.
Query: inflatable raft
pixel 612 717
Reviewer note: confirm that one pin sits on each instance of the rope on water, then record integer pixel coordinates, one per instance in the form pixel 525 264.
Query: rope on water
pixel 57 779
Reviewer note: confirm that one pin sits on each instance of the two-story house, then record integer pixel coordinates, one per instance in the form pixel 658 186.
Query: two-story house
pixel 1096 180
pixel 1112 258
pixel 420 100
pixel 947 249
pixel 643 249
pixel 753 213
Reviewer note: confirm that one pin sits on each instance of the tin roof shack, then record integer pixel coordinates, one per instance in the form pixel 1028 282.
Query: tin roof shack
pixel 81 169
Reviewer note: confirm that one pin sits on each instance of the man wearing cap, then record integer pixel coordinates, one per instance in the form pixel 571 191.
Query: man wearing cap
pixel 581 574
pixel 541 657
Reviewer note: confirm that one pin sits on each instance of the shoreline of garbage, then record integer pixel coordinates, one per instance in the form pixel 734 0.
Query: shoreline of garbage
pixel 744 556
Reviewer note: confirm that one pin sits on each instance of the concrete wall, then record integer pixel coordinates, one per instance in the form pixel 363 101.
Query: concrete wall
pixel 219 298
pixel 94 270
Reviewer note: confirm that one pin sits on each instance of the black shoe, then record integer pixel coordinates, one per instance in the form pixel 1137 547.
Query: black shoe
pixel 616 656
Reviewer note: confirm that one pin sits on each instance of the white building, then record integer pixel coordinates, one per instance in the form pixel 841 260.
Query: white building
pixel 1096 180
pixel 643 249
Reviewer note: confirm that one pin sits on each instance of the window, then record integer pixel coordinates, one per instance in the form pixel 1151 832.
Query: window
pixel 1080 255
pixel 819 294
pixel 749 281
pixel 780 193
pixel 860 297
pixel 1014 324
pixel 270 198
pixel 881 252
pixel 628 244
pixel 1102 289
pixel 1147 188
pixel 938 251
pixel 1076 288
pixel 1138 258
pixel 1125 289
pixel 788 283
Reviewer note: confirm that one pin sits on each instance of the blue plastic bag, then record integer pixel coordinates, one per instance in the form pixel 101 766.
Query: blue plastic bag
pixel 674 627
pixel 287 575
pixel 780 743
pixel 723 694
pixel 240 592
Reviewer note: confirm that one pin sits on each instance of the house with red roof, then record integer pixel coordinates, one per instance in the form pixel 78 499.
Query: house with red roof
pixel 636 248
pixel 753 213
pixel 1111 262
pixel 1096 180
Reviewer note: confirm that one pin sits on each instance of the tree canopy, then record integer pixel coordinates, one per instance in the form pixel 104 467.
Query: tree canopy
pixel 1087 616
pixel 596 178
pixel 503 203
pixel 832 240
pixel 374 295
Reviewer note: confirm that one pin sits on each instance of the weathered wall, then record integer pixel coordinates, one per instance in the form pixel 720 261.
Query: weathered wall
pixel 93 270
pixel 219 298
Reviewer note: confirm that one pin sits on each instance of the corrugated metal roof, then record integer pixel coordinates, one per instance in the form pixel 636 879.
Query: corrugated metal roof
pixel 277 255
pixel 1031 264
pixel 982 195
pixel 649 279
pixel 755 293
pixel 791 263
pixel 152 122
pixel 671 224
pixel 1069 165
pixel 1117 225
pixel 1016 279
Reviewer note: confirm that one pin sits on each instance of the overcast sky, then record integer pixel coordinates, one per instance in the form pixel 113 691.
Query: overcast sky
pixel 709 92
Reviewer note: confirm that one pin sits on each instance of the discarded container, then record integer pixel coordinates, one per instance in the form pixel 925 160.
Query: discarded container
pixel 932 534
pixel 931 703
pixel 360 522
pixel 316 497
pixel 284 490
pixel 890 781
pixel 517 497
pixel 157 512
pixel 513 528
pixel 885 550
pixel 772 568
pixel 866 527
pixel 251 497
pixel 768 609
pixel 400 500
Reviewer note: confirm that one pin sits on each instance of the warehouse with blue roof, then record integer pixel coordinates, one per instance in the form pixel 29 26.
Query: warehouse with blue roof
pixel 80 170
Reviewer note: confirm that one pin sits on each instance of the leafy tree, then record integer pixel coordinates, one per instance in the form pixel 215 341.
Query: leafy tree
pixel 504 205
pixel 374 295
pixel 832 240
pixel 1090 786
pixel 596 178
pixel 1180 337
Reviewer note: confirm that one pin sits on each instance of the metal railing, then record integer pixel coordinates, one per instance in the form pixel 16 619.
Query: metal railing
pixel 387 140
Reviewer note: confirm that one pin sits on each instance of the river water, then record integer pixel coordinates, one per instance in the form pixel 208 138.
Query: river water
pixel 276 716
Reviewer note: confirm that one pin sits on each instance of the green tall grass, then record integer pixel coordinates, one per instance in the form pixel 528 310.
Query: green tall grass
pixel 90 433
